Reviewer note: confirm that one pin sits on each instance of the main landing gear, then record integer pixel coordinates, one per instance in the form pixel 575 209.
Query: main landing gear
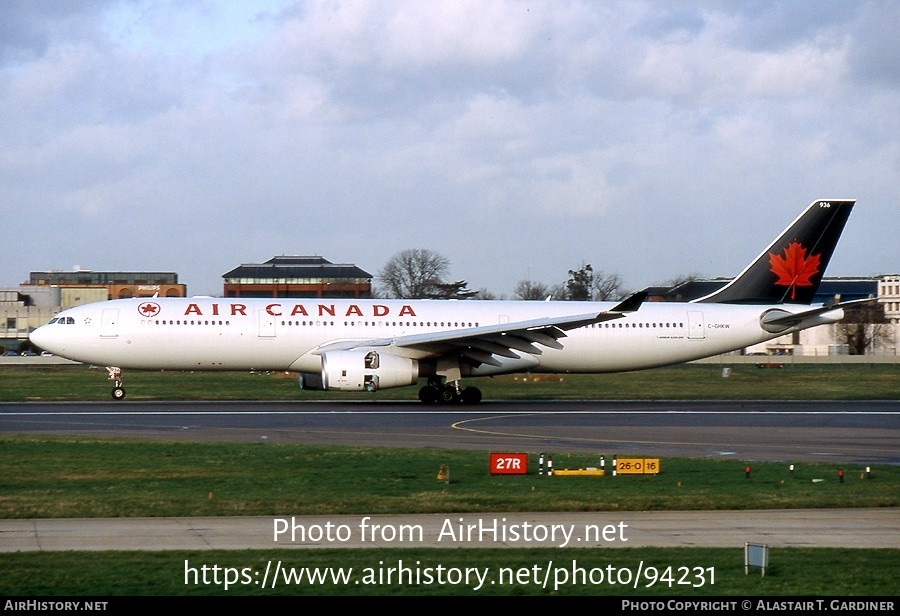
pixel 449 393
pixel 115 375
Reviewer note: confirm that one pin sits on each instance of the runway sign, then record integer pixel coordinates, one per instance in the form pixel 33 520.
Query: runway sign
pixel 637 466
pixel 509 463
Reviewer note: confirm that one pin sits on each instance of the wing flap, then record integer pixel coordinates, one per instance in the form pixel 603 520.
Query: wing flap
pixel 481 357
pixel 489 347
pixel 514 342
pixel 548 337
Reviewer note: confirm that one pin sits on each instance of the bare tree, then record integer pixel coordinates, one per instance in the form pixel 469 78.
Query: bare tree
pixel 414 273
pixel 608 287
pixel 865 328
pixel 485 294
pixel 585 284
pixel 531 290
pixel 557 292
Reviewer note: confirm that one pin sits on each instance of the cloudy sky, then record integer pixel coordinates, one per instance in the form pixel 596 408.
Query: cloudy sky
pixel 518 139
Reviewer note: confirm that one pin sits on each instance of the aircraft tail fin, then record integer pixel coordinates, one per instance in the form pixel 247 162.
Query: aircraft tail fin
pixel 790 269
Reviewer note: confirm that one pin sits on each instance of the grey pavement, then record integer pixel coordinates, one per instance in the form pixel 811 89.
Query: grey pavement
pixel 832 528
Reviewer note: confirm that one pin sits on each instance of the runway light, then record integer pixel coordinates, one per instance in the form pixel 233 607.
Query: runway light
pixel 746 472
pixel 444 474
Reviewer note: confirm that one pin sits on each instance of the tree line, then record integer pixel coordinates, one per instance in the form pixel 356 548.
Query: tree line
pixel 419 273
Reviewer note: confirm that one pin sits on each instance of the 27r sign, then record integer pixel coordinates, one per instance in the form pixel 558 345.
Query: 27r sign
pixel 509 463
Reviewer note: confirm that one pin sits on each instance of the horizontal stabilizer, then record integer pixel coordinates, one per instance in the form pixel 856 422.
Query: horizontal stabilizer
pixel 778 320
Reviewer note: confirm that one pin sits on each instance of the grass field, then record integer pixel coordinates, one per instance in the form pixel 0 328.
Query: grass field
pixel 45 477
pixel 69 477
pixel 687 382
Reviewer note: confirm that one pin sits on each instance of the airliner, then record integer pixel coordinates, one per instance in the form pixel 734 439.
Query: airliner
pixel 374 344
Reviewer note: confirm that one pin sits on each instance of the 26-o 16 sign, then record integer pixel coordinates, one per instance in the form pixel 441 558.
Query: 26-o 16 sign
pixel 637 466
pixel 509 463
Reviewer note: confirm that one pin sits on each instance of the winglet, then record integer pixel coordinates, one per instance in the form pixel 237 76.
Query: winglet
pixel 631 303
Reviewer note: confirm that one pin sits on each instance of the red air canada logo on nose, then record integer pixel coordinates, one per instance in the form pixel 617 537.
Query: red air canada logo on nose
pixel 149 309
pixel 794 269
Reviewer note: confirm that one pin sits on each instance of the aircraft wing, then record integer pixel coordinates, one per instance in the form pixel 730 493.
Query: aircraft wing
pixel 480 344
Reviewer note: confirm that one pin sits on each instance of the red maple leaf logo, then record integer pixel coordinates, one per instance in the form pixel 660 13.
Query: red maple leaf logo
pixel 794 268
pixel 149 309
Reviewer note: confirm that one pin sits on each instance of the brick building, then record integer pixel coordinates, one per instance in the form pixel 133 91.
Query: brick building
pixel 297 276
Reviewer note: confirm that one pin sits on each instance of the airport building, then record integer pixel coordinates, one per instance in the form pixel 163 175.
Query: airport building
pixel 112 285
pixel 889 296
pixel 24 308
pixel 298 277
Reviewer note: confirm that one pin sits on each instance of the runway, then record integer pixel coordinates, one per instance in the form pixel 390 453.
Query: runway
pixel 864 432
pixel 818 431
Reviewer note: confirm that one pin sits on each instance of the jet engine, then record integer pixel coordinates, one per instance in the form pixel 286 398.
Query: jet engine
pixel 362 371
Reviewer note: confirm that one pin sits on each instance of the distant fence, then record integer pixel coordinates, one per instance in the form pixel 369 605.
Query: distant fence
pixel 787 360
pixel 28 360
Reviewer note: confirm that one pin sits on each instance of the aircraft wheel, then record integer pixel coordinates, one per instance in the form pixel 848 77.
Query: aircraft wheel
pixel 448 394
pixel 471 395
pixel 428 394
pixel 118 393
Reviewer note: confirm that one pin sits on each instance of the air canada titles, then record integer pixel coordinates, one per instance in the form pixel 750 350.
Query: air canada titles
pixel 276 309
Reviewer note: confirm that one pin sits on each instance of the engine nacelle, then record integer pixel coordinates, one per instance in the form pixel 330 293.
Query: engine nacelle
pixel 364 371
pixel 310 380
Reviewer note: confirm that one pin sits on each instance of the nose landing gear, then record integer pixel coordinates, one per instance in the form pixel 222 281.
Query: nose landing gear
pixel 115 375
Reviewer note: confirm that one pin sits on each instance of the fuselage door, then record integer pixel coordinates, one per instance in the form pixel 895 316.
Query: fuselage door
pixel 695 325
pixel 266 324
pixel 109 324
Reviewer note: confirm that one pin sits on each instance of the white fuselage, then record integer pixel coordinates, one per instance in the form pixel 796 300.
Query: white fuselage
pixel 284 334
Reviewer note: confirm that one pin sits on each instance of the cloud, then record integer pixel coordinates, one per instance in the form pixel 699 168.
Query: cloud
pixel 647 138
